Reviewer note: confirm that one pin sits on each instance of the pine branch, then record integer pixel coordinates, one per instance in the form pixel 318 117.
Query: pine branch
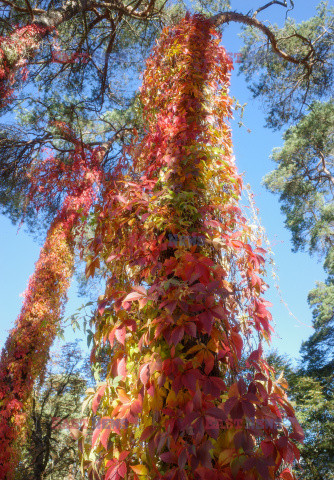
pixel 227 17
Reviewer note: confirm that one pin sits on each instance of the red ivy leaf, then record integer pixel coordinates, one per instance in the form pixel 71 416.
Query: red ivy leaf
pixel 97 397
pixel 120 334
pixel 287 475
pixel 145 373
pixel 122 469
pixel 121 368
pixel 105 437
pixel 177 335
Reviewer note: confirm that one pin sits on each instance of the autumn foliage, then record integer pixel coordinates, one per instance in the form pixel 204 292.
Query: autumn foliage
pixel 189 394
pixel 15 51
pixel 26 351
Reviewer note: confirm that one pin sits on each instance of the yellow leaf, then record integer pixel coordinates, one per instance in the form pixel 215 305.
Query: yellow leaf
pixel 139 469
pixel 226 456
pixel 171 397
pixel 194 349
pixel 226 440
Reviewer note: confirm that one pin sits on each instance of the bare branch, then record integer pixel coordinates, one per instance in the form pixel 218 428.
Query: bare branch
pixel 274 2
pixel 29 9
pixel 36 11
pixel 324 168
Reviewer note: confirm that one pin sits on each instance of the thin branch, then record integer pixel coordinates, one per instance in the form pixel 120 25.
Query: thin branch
pixel 328 174
pixel 108 52
pixel 29 9
pixel 274 2
pixel 36 11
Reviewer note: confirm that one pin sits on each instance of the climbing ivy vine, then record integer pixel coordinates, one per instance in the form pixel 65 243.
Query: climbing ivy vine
pixel 189 394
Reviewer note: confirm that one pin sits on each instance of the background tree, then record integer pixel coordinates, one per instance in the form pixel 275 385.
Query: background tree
pixel 304 178
pixel 312 394
pixel 50 450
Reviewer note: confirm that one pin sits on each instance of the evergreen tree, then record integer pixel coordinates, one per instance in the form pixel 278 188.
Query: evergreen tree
pixel 304 179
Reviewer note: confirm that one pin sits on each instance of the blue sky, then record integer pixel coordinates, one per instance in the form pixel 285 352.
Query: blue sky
pixel 297 271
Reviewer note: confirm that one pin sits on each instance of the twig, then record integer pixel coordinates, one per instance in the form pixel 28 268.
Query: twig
pixel 274 2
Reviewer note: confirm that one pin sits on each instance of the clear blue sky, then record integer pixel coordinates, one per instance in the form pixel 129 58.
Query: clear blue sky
pixel 297 271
